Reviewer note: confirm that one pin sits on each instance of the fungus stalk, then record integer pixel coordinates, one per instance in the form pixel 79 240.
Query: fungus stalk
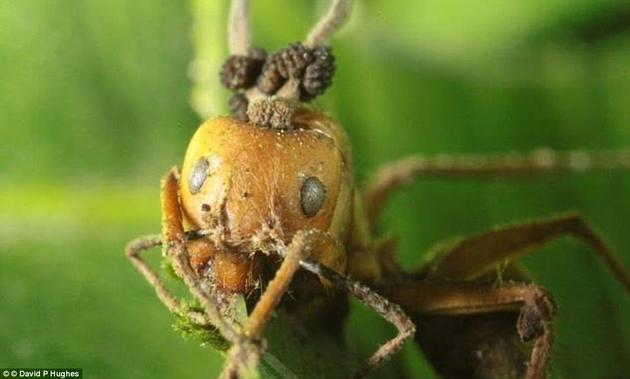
pixel 239 41
pixel 336 17
pixel 269 87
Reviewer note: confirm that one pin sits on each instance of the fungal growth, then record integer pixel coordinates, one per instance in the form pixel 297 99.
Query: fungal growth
pixel 269 87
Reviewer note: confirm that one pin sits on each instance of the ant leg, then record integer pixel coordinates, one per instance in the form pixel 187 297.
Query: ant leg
pixel 245 353
pixel 381 305
pixel 535 307
pixel 472 257
pixel 539 162
pixel 132 251
pixel 300 248
pixel 174 245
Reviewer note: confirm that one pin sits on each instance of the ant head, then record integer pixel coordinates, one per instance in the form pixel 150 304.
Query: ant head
pixel 245 182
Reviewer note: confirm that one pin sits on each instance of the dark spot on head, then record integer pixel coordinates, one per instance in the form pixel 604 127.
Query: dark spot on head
pixel 312 196
pixel 205 207
pixel 198 175
pixel 246 194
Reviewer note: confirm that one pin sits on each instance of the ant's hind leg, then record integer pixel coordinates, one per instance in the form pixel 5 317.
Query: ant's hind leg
pixel 535 308
pixel 385 308
pixel 472 257
pixel 544 161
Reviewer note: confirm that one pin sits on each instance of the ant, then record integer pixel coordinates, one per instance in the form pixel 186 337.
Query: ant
pixel 268 191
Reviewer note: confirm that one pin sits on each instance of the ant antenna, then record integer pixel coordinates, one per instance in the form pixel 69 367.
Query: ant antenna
pixel 239 40
pixel 337 15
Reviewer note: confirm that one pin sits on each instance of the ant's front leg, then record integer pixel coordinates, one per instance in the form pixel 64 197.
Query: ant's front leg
pixel 174 244
pixel 245 353
pixel 390 311
pixel 132 251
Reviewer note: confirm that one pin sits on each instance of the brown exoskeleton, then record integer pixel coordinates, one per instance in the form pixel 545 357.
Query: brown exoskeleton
pixel 269 190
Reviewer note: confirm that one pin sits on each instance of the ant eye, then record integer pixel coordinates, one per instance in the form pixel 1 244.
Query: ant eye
pixel 312 195
pixel 198 175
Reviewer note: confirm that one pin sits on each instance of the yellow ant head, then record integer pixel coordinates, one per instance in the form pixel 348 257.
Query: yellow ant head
pixel 249 184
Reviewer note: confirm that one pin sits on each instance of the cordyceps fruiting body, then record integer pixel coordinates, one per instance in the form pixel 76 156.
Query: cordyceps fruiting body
pixel 265 204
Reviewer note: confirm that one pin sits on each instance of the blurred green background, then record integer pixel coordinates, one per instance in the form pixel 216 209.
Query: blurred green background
pixel 94 108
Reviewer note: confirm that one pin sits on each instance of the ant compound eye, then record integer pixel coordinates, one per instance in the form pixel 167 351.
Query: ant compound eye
pixel 198 175
pixel 312 196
